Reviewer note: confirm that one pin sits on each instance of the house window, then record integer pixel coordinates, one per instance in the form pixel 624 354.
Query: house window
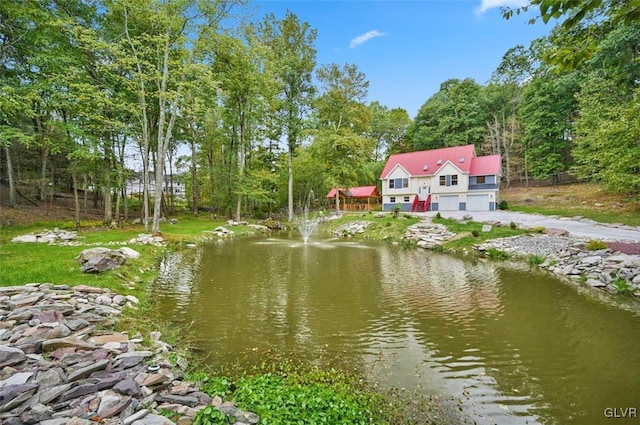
pixel 480 179
pixel 392 199
pixel 398 183
pixel 454 180
pixel 443 180
pixel 406 199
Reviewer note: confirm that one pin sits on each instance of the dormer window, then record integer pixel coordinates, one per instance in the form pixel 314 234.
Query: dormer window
pixel 439 162
pixel 461 159
pixel 425 168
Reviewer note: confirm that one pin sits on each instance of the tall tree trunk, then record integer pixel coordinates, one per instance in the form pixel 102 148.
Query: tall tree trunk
pixel 76 198
pixel 13 200
pixel 106 193
pixel 145 186
pixel 290 183
pixel 144 121
pixel 43 174
pixel 86 194
pixel 241 163
pixel 106 189
pixel 194 177
pixel 164 134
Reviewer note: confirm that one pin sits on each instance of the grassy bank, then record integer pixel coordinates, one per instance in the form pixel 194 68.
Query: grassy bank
pixel 579 199
pixel 281 392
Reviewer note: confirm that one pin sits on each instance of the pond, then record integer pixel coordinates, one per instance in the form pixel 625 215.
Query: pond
pixel 505 343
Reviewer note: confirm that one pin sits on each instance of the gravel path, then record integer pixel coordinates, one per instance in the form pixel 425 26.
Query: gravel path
pixel 576 226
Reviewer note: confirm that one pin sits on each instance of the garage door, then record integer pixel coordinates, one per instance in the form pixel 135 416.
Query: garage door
pixel 448 203
pixel 477 202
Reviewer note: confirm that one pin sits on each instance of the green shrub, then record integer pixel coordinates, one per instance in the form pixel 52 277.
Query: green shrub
pixel 513 225
pixel 475 233
pixel 535 259
pixel 621 285
pixel 212 416
pixel 497 254
pixel 438 215
pixel 539 229
pixel 503 205
pixel 595 245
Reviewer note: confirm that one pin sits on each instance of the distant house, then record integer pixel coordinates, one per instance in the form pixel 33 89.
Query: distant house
pixel 447 179
pixel 172 185
pixel 363 198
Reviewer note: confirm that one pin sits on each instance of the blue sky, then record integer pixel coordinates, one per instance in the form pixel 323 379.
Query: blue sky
pixel 408 48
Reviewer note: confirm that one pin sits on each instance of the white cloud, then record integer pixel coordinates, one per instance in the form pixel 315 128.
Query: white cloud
pixel 363 38
pixel 492 4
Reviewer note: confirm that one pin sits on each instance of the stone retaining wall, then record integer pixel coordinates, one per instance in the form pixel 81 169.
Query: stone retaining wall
pixel 62 363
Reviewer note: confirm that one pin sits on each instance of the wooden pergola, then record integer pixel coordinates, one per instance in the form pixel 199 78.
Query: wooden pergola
pixel 363 198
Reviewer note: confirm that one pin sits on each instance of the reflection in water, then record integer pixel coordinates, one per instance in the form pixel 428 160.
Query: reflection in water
pixel 513 346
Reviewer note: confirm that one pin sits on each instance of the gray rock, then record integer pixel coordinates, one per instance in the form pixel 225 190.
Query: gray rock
pixel 99 265
pixel 152 419
pixel 13 395
pixel 25 239
pixel 76 324
pixel 16 379
pixel 11 356
pixel 18 301
pixel 79 391
pixel 239 415
pixel 129 253
pixel 35 414
pixel 592 260
pixel 87 370
pixel 128 387
pixel 66 342
pixel 109 380
pixel 179 399
pixel 47 395
pixel 138 415
pixel 111 404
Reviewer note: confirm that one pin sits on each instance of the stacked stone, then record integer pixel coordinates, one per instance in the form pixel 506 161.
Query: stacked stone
pixel 147 239
pixel 60 363
pixel 566 256
pixel 55 236
pixel 428 234
pixel 353 228
pixel 599 268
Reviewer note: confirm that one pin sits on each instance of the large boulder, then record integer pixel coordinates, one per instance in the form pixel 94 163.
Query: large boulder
pixel 97 260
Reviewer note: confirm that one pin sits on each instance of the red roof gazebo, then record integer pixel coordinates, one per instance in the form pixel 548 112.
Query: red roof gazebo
pixel 362 198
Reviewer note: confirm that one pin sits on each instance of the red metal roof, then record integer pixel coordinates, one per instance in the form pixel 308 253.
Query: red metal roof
pixel 427 163
pixel 486 165
pixel 357 192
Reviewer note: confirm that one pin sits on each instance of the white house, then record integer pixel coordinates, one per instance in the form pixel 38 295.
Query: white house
pixel 447 179
pixel 172 185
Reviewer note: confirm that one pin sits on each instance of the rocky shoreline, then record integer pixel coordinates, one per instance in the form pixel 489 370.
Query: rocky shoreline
pixel 567 257
pixel 61 362
pixel 614 269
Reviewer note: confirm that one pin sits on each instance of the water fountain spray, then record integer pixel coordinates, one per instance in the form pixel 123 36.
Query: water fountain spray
pixel 306 224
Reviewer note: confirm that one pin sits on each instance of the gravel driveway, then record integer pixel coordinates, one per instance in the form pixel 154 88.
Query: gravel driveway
pixel 576 226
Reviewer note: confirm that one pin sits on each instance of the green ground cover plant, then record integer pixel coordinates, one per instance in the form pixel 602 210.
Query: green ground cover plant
pixel 282 391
